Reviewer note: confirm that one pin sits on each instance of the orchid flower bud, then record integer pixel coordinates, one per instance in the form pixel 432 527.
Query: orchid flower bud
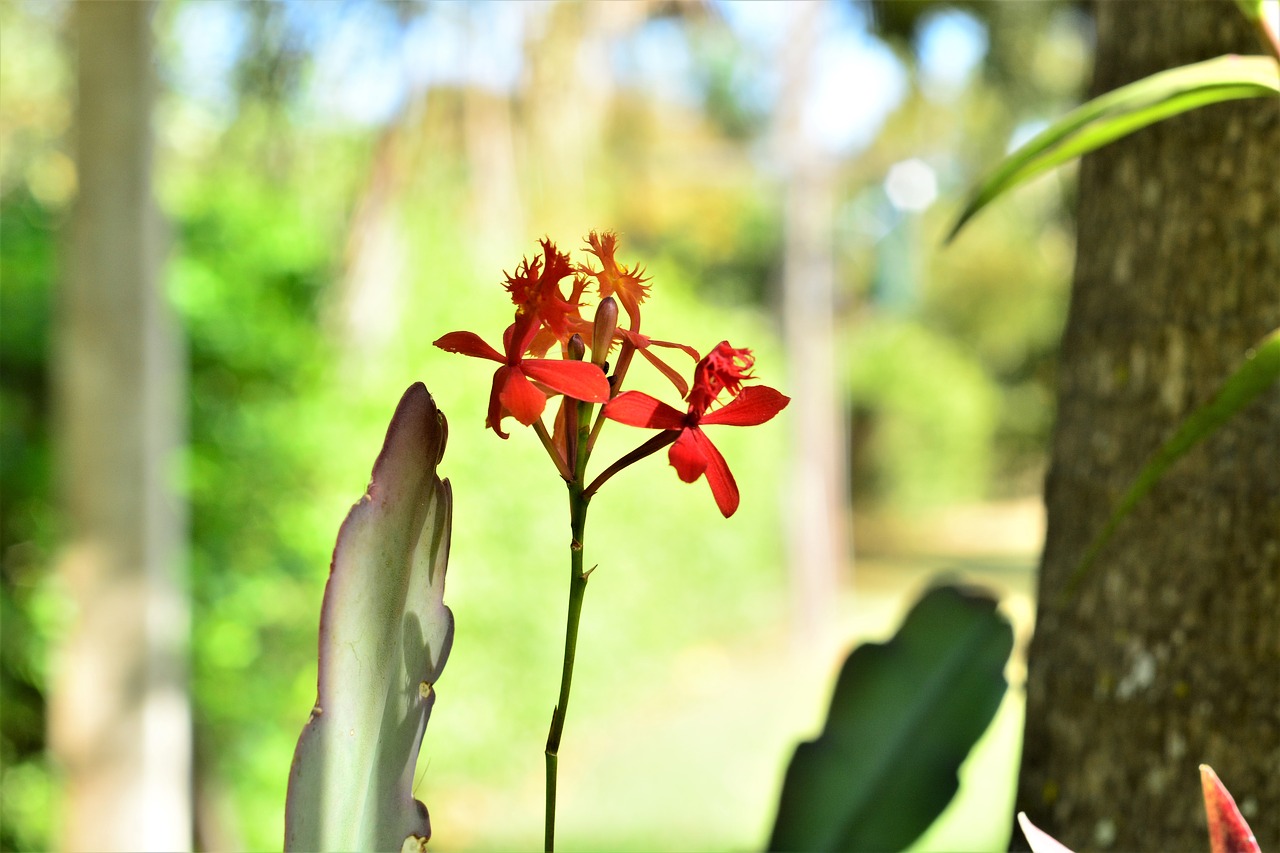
pixel 605 325
pixel 577 349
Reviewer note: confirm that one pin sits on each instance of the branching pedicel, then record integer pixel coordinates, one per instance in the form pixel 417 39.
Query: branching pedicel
pixel 547 318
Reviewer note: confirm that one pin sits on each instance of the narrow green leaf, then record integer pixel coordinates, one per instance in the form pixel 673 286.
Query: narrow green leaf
pixel 903 717
pixel 1251 9
pixel 1123 111
pixel 1259 371
pixel 385 634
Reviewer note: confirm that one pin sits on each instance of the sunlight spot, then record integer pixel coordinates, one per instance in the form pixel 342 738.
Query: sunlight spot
pixel 911 185
pixel 949 47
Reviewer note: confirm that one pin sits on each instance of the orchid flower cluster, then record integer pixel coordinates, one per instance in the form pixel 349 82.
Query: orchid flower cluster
pixel 549 293
pixel 548 317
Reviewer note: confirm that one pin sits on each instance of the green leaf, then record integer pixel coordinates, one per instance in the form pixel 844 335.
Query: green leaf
pixel 1123 111
pixel 385 634
pixel 1259 371
pixel 903 717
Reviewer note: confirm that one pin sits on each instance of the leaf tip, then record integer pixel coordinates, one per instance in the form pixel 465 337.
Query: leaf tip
pixel 1228 830
pixel 955 229
pixel 1037 839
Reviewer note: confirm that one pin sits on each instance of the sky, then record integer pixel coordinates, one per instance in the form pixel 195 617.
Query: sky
pixel 366 62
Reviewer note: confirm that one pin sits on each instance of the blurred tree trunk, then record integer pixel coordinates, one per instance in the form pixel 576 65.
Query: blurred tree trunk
pixel 369 310
pixel 564 115
pixel 816 507
pixel 495 206
pixel 119 721
pixel 1169 655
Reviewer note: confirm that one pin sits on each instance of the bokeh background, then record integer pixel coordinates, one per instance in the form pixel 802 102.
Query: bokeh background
pixel 344 182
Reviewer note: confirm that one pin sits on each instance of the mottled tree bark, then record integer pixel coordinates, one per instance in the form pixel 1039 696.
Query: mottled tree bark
pixel 1169 653
pixel 119 717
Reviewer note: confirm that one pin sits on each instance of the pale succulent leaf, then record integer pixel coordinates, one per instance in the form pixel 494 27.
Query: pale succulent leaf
pixel 385 634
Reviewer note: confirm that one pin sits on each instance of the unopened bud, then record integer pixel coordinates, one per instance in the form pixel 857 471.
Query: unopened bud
pixel 602 334
pixel 577 349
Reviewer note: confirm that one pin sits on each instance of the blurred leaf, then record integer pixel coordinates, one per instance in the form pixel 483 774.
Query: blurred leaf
pixel 1037 839
pixel 903 717
pixel 1260 370
pixel 1265 20
pixel 1123 111
pixel 385 634
pixel 1228 830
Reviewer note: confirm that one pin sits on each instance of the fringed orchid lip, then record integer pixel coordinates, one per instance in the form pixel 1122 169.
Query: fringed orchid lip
pixel 614 279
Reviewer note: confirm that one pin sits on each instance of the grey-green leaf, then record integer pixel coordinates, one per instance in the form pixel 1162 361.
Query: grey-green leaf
pixel 1258 372
pixel 903 717
pixel 385 634
pixel 1123 111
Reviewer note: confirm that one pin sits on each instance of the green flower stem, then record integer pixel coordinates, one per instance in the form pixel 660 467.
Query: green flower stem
pixel 578 503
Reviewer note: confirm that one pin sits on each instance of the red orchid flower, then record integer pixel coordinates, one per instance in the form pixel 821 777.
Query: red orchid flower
pixel 614 279
pixel 692 454
pixel 535 289
pixel 514 390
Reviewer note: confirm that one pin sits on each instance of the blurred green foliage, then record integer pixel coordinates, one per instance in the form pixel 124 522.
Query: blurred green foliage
pixel 273 210
pixel 254 261
pixel 930 413
pixel 28 524
pixel 34 173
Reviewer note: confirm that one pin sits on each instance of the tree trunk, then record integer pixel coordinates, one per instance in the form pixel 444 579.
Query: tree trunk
pixel 1169 653
pixel 817 506
pixel 119 723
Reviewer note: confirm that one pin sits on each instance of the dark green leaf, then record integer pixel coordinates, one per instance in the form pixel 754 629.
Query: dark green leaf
pixel 903 717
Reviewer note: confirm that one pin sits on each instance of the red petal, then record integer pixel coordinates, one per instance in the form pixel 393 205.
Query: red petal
pixel 1228 831
pixel 693 353
pixel 580 380
pixel 469 343
pixel 687 457
pixel 635 408
pixel 558 431
pixel 493 419
pixel 719 477
pixel 755 405
pixel 541 342
pixel 667 371
pixel 518 336
pixel 521 398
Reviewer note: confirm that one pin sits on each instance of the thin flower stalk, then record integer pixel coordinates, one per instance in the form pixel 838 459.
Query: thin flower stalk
pixel 547 315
